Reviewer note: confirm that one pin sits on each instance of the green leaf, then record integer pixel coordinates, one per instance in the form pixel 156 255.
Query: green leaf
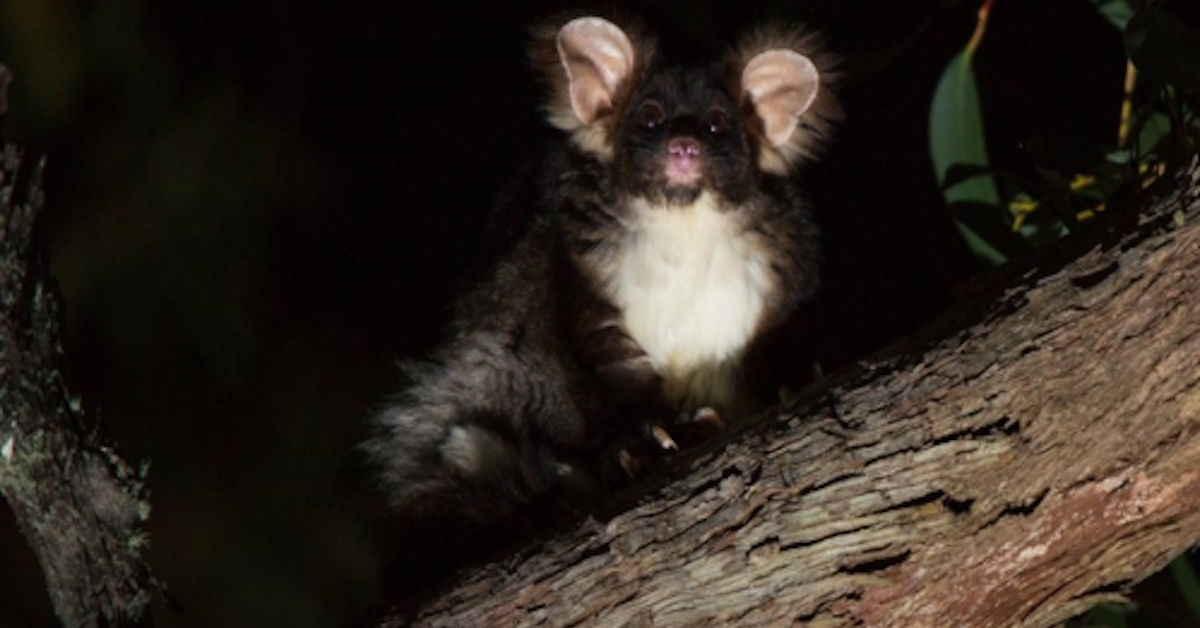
pixel 961 172
pixel 978 246
pixel 1108 615
pixel 1188 583
pixel 1155 128
pixel 956 138
pixel 1117 12
pixel 1039 234
pixel 1151 128
pixel 957 173
pixel 987 229
pixel 956 134
pixel 1163 49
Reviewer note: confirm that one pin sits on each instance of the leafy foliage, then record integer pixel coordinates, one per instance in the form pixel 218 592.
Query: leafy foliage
pixel 1001 214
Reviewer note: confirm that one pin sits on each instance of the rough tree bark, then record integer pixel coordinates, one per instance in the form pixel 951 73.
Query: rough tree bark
pixel 1025 458
pixel 80 506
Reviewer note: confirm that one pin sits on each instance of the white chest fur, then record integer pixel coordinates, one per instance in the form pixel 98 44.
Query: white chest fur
pixel 692 286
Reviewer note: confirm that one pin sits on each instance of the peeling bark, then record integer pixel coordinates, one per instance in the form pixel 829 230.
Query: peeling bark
pixel 81 507
pixel 1028 456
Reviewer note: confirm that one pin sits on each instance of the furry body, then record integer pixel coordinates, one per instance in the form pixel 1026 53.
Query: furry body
pixel 665 238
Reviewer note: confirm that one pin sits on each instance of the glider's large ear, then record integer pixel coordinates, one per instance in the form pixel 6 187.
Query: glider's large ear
pixel 784 79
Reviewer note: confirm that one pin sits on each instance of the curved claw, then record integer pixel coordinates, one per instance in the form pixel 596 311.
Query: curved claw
pixel 707 417
pixel 663 438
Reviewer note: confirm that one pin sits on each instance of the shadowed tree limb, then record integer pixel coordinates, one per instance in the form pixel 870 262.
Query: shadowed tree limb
pixel 81 507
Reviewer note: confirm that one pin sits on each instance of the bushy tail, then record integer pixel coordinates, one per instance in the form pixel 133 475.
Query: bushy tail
pixel 457 444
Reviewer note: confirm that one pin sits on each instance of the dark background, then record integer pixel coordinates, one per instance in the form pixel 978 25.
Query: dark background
pixel 255 207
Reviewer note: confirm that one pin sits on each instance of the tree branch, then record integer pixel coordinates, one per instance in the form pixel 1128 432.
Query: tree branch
pixel 80 506
pixel 1025 458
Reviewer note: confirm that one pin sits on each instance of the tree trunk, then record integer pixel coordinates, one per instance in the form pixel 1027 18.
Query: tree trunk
pixel 1025 458
pixel 80 506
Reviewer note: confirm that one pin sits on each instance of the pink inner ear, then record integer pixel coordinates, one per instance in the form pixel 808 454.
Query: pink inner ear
pixel 598 57
pixel 782 85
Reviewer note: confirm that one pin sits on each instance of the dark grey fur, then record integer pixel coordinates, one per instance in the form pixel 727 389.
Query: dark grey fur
pixel 538 372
